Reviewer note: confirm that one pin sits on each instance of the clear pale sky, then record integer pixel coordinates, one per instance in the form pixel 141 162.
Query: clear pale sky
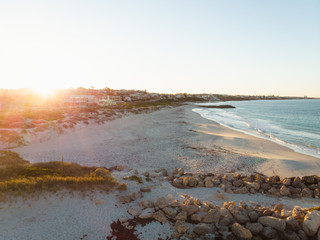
pixel 232 47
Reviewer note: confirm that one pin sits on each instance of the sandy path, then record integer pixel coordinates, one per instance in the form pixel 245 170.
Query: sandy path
pixel 170 138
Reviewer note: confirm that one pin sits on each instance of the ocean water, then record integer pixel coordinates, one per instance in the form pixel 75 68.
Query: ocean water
pixel 292 123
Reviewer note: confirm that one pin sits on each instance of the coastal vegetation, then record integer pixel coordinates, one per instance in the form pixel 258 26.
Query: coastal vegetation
pixel 19 177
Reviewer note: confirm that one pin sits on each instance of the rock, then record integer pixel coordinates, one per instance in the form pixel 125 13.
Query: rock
pixel 226 217
pixel 278 207
pixel 204 208
pixel 185 181
pixel 266 211
pixel 285 213
pixel 146 174
pixel 295 192
pixel 145 189
pixel 160 217
pixel 311 223
pixel 289 235
pixel 181 227
pixel 176 235
pixel 286 181
pixel 124 199
pixel 177 182
pixel 197 217
pixel 306 192
pixel 175 203
pixel 208 184
pixel 241 232
pixel 203 229
pixel 253 215
pixel 269 233
pixel 192 182
pixel 171 212
pixel 135 195
pixel 164 172
pixel 274 191
pixel 240 216
pixel 284 191
pixel 265 186
pixel 254 185
pixel 135 211
pixel 201 184
pixel 254 228
pixel 178 171
pixel 273 180
pixel 162 202
pixel 292 223
pixel 313 186
pixel 228 204
pixel 190 209
pixel 302 235
pixel 309 179
pixel 296 182
pixel 212 216
pixel 297 213
pixel 147 213
pixel 259 178
pixel 147 204
pixel 276 223
pixel 182 216
pixel 316 193
pixel 237 183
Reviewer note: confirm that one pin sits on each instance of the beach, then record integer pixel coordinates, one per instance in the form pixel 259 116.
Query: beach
pixel 171 138
pixel 167 139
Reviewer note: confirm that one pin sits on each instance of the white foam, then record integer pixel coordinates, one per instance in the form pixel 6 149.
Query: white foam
pixel 260 128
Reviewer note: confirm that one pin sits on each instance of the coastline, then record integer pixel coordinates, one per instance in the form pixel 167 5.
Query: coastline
pixel 172 138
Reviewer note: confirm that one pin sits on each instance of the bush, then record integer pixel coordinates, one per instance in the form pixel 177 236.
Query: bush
pixel 18 176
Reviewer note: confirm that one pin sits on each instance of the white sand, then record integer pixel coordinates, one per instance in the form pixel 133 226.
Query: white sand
pixel 171 138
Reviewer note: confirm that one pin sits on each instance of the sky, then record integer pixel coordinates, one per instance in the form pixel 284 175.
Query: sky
pixel 169 46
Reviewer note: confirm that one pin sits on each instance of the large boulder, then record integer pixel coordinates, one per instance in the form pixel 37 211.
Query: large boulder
pixel 284 191
pixel 203 229
pixel 298 213
pixel 160 217
pixel 146 213
pixel 269 233
pixel 135 211
pixel 273 222
pixel 292 223
pixel 212 216
pixel 254 228
pixel 241 232
pixel 171 212
pixel 162 202
pixel 181 227
pixel 190 209
pixel 182 216
pixel 311 223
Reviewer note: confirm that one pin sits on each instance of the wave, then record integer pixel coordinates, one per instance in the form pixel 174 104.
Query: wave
pixel 301 142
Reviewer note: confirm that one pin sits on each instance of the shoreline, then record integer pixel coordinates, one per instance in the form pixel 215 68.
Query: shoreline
pixel 276 140
pixel 172 138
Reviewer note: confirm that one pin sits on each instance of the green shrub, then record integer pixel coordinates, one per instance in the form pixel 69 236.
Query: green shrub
pixel 133 178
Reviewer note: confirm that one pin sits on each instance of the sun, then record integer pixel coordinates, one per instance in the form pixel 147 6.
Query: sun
pixel 44 91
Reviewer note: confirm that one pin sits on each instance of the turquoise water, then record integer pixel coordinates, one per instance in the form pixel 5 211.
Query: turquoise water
pixel 293 123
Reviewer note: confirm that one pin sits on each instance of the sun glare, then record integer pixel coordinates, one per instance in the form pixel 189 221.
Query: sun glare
pixel 44 91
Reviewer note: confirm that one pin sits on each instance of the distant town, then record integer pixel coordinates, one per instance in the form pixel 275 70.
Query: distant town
pixel 21 99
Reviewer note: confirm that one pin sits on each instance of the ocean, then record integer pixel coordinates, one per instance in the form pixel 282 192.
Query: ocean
pixel 292 123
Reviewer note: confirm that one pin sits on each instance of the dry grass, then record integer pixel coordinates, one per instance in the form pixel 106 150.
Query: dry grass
pixel 18 177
